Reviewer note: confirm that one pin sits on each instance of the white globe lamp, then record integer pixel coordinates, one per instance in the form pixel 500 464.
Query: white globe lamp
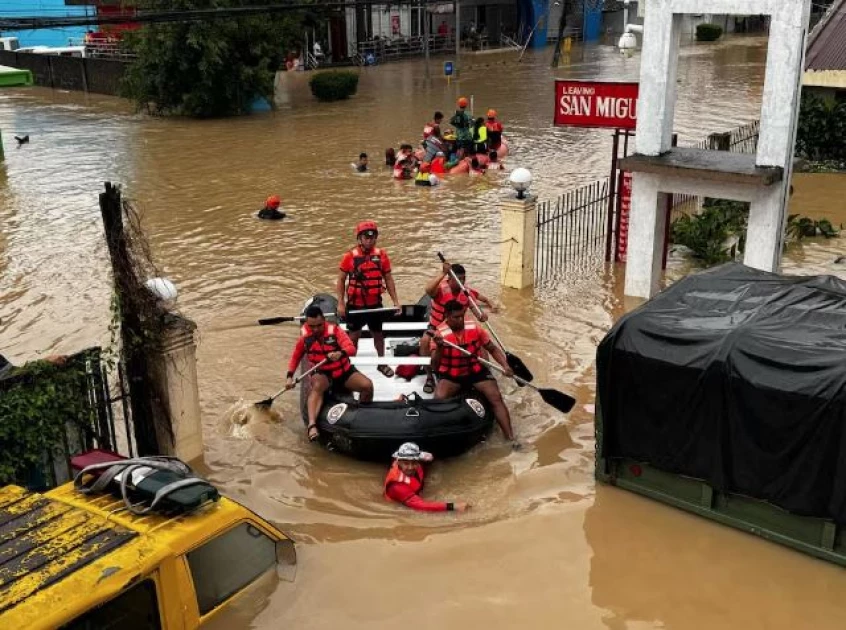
pixel 162 288
pixel 520 180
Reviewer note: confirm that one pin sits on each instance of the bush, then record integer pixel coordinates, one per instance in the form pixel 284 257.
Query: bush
pixel 335 85
pixel 708 32
pixel 822 125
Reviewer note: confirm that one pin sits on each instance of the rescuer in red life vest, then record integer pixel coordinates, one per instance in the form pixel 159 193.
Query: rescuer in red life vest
pixel 442 289
pixel 405 480
pixel 494 131
pixel 457 371
pixel 321 340
pixel 365 272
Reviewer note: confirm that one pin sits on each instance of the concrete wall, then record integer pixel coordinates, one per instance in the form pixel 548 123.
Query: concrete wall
pixel 101 76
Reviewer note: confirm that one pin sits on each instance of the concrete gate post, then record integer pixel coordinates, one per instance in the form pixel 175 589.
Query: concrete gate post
pixel 517 250
pixel 175 369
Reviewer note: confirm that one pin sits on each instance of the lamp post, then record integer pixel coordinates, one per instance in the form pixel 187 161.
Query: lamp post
pixel 520 180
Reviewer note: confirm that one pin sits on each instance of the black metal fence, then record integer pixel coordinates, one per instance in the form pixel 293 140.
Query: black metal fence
pixel 572 230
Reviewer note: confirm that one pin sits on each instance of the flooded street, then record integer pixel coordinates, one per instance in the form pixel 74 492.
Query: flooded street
pixel 542 546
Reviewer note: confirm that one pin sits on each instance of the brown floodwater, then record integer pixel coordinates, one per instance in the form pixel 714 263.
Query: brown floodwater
pixel 543 546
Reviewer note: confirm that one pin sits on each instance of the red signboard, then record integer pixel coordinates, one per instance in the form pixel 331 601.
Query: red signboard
pixel 596 104
pixel 625 210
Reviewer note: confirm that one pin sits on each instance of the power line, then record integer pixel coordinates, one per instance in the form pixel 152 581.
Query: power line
pixel 29 23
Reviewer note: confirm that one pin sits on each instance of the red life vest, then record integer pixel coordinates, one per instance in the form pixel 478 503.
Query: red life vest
pixel 455 364
pixel 366 280
pixel 318 347
pixel 395 475
pixel 429 129
pixel 494 134
pixel 436 314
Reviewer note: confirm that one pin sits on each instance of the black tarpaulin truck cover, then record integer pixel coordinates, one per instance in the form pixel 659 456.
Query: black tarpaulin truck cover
pixel 737 377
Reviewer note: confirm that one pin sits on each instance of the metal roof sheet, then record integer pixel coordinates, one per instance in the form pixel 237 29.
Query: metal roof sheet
pixel 827 42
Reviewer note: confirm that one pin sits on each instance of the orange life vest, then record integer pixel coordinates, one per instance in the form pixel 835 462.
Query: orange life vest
pixel 366 280
pixel 318 347
pixel 436 314
pixel 494 134
pixel 455 364
pixel 395 475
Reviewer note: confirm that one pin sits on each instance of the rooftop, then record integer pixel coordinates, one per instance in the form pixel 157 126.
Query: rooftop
pixel 827 41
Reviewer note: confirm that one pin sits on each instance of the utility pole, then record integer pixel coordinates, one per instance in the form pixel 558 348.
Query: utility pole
pixel 426 31
pixel 562 25
pixel 457 34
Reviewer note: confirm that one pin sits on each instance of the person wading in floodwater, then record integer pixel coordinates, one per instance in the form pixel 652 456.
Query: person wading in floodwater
pixel 365 272
pixel 404 481
pixel 320 340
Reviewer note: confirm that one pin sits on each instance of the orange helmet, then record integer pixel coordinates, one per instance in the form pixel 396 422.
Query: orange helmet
pixel 491 113
pixel 365 226
pixel 462 102
pixel 273 201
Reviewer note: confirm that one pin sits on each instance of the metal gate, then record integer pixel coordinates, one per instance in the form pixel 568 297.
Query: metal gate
pixel 572 230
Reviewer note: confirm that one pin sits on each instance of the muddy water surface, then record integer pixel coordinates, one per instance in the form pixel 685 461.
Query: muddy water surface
pixel 543 547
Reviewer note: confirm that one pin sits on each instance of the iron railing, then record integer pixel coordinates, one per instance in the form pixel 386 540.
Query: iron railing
pixel 571 230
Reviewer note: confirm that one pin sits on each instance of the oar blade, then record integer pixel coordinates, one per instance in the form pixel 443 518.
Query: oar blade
pixel 270 321
pixel 266 403
pixel 559 400
pixel 520 369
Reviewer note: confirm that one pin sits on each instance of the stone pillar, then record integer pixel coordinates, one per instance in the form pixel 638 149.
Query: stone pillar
pixel 765 230
pixel 647 224
pixel 517 250
pixel 175 369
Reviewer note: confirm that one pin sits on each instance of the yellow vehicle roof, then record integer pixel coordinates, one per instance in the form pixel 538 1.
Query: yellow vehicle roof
pixel 62 553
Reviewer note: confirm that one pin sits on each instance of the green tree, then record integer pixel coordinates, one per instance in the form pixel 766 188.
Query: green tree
pixel 210 68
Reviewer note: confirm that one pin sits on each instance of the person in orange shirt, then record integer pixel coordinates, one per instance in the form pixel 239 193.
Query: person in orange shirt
pixel 404 482
pixel 320 340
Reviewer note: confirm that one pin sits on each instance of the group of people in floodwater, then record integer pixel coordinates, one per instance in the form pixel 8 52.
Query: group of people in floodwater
pixel 472 146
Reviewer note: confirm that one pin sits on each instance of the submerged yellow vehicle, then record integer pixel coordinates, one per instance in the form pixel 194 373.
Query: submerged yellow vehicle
pixel 73 558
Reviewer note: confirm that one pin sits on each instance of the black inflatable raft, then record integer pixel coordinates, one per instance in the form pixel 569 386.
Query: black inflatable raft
pixel 373 431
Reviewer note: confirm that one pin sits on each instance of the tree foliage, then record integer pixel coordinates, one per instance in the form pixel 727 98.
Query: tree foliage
pixel 822 127
pixel 708 32
pixel 211 68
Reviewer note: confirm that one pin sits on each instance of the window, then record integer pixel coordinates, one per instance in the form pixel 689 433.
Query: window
pixel 135 609
pixel 226 564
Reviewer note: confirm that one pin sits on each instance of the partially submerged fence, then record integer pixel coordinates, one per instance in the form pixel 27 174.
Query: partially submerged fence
pixel 572 230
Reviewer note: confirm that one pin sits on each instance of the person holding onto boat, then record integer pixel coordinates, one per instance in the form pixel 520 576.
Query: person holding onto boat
pixel 433 144
pixel 364 274
pixel 271 211
pixel 456 371
pixel 443 289
pixel 480 136
pixel 494 131
pixel 434 125
pixel 404 482
pixel 320 340
pixel 462 121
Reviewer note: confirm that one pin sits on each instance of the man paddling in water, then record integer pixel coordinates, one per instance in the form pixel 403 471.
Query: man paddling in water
pixel 405 480
pixel 457 371
pixel 365 272
pixel 442 289
pixel 320 340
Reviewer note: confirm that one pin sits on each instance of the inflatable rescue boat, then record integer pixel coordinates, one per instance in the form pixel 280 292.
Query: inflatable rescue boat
pixel 400 411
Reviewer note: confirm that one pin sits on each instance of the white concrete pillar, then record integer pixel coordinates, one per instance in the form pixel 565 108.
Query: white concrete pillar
pixel 765 230
pixel 656 103
pixel 175 368
pixel 517 250
pixel 647 223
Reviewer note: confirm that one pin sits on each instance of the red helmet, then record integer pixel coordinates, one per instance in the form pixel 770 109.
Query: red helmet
pixel 273 201
pixel 462 102
pixel 364 226
pixel 491 113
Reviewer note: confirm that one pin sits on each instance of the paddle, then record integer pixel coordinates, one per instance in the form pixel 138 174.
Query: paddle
pixel 270 321
pixel 514 362
pixel 267 402
pixel 553 397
